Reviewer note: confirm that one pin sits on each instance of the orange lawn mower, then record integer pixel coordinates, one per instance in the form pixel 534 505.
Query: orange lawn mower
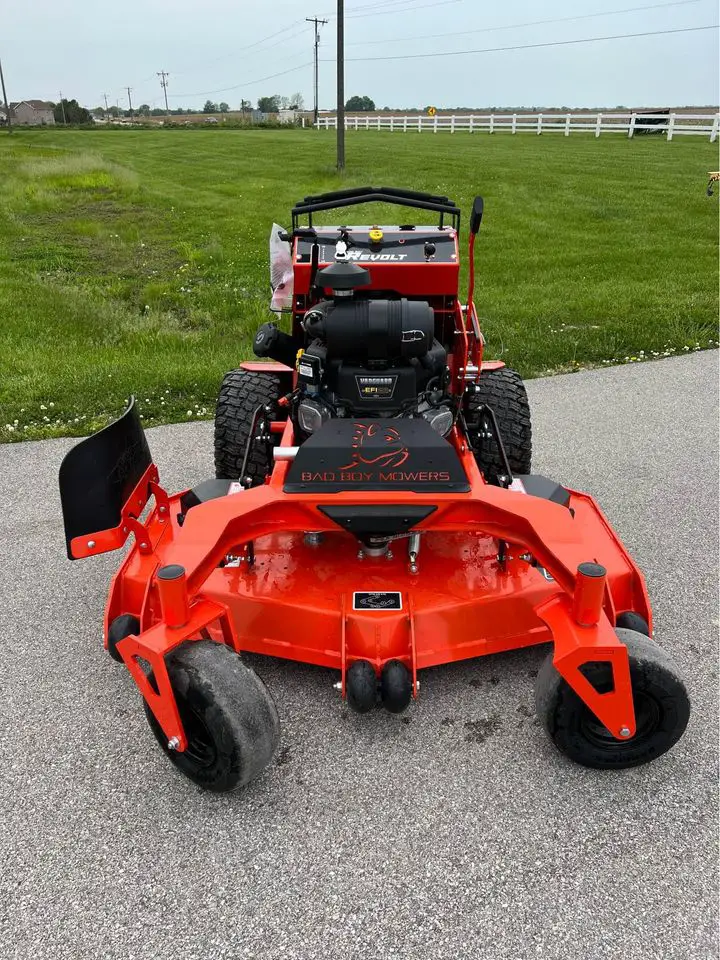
pixel 373 512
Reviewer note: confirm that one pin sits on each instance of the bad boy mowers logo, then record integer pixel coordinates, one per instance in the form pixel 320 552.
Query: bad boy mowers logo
pixel 364 454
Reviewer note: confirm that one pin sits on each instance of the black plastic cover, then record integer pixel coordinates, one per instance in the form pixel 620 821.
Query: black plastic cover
pixel 380 520
pixel 207 490
pixel 383 454
pixel 98 475
pixel 538 486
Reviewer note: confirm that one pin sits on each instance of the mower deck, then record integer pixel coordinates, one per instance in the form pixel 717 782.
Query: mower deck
pixel 244 573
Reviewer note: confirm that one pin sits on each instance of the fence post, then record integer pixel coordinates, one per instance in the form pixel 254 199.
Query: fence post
pixel 470 127
pixel 631 129
pixel 567 125
pixel 539 125
pixel 714 131
pixel 391 124
pixel 378 121
pixel 419 122
pixel 513 129
pixel 435 124
pixel 598 125
pixel 671 126
pixel 356 123
pixel 405 124
pixel 452 124
pixel 491 128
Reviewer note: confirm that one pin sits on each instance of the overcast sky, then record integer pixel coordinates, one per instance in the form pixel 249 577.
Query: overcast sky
pixel 222 49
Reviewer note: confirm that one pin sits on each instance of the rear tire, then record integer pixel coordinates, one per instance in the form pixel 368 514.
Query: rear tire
pixel 504 392
pixel 241 392
pixel 662 709
pixel 227 713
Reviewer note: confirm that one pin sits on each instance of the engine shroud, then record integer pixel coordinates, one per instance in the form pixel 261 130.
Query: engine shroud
pixel 381 454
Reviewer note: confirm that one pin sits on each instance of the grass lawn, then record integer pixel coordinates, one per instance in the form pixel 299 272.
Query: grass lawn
pixel 136 260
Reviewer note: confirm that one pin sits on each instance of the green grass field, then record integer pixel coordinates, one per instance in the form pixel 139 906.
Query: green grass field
pixel 136 260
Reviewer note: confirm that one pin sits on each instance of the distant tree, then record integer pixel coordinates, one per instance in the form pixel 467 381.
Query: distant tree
pixel 283 103
pixel 297 101
pixel 210 107
pixel 157 112
pixel 98 111
pixel 269 104
pixel 245 106
pixel 114 111
pixel 74 113
pixel 144 109
pixel 360 103
pixel 223 107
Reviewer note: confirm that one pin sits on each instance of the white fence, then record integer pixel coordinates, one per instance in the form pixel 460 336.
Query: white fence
pixel 671 125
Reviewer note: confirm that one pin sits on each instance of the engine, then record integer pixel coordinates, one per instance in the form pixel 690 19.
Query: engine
pixel 363 356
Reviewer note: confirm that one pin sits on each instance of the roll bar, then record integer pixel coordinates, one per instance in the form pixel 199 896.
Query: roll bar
pixel 349 198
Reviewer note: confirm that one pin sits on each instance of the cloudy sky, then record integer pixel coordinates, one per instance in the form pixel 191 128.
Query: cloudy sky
pixel 233 49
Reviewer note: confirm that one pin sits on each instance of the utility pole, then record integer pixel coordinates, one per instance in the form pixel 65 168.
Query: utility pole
pixel 318 24
pixel 106 106
pixel 62 108
pixel 340 112
pixel 163 83
pixel 7 108
pixel 129 89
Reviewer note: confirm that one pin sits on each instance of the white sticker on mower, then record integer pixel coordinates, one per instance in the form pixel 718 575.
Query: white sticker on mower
pixel 235 487
pixel 517 485
pixel 377 600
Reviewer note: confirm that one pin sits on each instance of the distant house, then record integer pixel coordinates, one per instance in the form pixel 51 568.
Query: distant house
pixel 32 113
pixel 288 116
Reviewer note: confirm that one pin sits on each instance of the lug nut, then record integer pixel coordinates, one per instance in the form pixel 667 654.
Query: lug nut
pixel 173 743
pixel 625 732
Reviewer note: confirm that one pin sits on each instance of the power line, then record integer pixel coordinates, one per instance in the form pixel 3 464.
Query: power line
pixel 251 46
pixel 163 74
pixel 245 83
pixel 370 12
pixel 533 46
pixel 529 23
pixel 318 24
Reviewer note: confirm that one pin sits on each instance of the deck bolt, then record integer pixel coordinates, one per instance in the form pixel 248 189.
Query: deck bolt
pixel 143 546
pixel 413 568
pixel 389 555
pixel 91 544
pixel 360 555
pixel 173 743
pixel 163 508
pixel 624 732
pixel 338 685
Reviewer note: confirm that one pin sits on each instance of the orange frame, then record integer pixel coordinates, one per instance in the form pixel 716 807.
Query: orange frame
pixel 296 600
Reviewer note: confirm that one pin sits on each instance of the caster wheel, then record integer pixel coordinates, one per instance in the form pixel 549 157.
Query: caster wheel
pixel 633 621
pixel 228 715
pixel 661 702
pixel 120 628
pixel 395 686
pixel 361 686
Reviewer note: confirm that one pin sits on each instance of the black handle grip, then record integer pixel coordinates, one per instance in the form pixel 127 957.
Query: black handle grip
pixel 476 215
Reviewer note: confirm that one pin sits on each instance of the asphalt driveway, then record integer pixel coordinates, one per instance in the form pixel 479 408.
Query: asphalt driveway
pixel 428 836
